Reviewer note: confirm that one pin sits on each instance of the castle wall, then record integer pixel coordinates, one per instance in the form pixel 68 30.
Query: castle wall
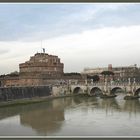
pixel 42 63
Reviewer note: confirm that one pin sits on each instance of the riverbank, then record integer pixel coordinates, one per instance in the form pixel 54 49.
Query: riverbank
pixel 32 100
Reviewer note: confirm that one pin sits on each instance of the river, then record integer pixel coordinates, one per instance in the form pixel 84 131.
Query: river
pixel 73 116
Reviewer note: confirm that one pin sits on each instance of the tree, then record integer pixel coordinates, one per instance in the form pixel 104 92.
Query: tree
pixel 108 73
pixel 15 73
pixel 94 77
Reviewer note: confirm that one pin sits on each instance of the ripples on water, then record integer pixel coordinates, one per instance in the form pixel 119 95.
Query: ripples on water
pixel 73 116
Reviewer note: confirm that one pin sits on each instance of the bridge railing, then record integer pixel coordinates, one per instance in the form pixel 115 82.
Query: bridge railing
pixel 108 84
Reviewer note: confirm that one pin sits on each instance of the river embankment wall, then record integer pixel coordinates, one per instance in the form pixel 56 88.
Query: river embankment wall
pixel 15 93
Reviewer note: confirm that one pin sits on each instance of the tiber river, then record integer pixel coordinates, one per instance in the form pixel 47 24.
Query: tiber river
pixel 73 116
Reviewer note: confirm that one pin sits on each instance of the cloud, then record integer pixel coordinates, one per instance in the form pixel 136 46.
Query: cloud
pixel 34 22
pixel 18 52
pixel 99 47
pixel 3 51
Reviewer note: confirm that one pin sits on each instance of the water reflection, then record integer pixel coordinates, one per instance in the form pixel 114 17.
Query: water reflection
pixel 50 118
pixel 132 107
pixel 43 120
pixel 110 105
pixel 41 117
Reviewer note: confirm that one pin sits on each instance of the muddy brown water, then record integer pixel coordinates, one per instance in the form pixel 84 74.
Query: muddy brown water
pixel 73 116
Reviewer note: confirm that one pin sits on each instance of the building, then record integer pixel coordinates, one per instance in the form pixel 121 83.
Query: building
pixel 93 71
pixel 42 64
pixel 90 72
pixel 125 72
pixel 41 69
pixel 122 73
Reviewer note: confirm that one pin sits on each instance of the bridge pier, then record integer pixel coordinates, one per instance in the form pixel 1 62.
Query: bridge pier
pixel 131 92
pixel 108 95
pixel 107 92
pixel 130 96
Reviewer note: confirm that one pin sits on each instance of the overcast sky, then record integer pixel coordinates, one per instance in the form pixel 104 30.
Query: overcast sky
pixel 82 35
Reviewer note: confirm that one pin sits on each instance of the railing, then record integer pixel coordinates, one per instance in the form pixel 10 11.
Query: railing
pixel 81 84
pixel 107 84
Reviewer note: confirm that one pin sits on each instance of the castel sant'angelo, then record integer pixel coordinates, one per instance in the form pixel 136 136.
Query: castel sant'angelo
pixel 42 65
pixel 41 69
pixel 36 71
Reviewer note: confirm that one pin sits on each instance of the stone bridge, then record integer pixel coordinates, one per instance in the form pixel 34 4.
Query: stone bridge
pixel 132 89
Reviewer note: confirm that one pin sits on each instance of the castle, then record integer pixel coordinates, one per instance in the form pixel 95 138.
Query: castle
pixel 41 69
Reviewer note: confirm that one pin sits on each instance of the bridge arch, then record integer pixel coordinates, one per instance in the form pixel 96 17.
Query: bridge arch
pixel 137 92
pixel 95 91
pixel 77 90
pixel 115 89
